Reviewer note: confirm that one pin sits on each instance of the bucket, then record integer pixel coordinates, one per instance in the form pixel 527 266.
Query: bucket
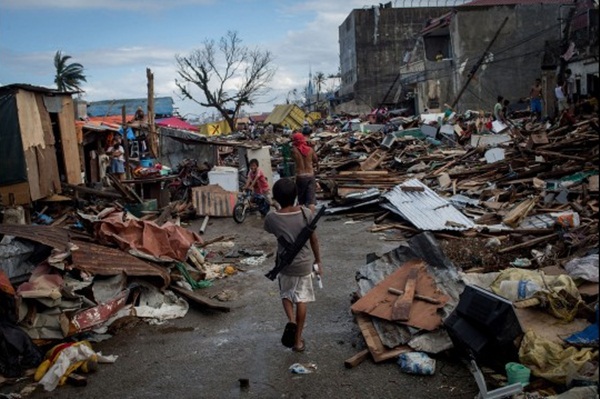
pixel 147 163
pixel 516 372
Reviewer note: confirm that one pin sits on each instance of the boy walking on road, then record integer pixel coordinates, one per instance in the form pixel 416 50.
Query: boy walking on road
pixel 295 280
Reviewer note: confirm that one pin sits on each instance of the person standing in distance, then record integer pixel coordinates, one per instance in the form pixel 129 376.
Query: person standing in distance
pixel 307 164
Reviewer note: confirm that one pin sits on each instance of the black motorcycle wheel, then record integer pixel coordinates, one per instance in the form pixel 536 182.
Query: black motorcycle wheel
pixel 239 213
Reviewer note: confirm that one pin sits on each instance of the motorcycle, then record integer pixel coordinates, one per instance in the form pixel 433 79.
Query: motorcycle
pixel 189 175
pixel 249 202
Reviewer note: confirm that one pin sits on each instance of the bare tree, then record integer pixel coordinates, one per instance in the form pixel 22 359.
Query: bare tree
pixel 228 74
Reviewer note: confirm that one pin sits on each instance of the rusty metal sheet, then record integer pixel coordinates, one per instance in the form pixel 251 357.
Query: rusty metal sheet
pixel 212 200
pixel 106 261
pixel 54 237
pixel 89 318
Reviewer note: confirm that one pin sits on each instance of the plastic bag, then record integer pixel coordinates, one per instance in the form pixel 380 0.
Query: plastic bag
pixel 416 363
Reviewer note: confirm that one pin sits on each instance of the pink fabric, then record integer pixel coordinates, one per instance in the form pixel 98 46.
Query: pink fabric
pixel 299 142
pixel 168 242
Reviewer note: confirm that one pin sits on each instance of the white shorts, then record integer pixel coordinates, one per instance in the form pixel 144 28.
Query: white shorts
pixel 298 289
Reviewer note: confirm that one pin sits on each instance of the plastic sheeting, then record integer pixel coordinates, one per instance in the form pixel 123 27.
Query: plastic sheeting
pixel 12 159
pixel 552 361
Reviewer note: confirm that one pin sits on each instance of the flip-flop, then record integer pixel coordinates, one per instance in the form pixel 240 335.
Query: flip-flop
pixel 289 335
pixel 299 349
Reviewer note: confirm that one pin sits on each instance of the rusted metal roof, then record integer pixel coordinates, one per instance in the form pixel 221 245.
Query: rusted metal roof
pixel 212 200
pixel 106 261
pixel 424 208
pixel 54 237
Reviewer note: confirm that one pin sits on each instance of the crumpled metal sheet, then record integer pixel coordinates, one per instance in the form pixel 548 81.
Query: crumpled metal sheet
pixel 425 209
pixel 54 237
pixel 106 261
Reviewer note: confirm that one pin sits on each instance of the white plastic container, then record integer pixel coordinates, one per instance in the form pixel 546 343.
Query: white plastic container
pixel 224 176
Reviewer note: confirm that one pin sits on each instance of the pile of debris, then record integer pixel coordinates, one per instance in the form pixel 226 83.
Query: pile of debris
pixel 513 279
pixel 72 280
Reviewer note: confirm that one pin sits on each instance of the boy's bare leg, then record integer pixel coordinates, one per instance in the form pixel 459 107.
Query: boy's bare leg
pixel 300 318
pixel 288 307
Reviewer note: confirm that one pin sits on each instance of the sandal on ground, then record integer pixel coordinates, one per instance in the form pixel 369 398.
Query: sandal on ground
pixel 289 335
pixel 300 348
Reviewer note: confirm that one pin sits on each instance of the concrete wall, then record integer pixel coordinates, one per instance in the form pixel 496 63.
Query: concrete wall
pixel 373 43
pixel 517 52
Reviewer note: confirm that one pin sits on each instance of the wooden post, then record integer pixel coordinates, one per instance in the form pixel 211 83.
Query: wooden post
pixel 152 136
pixel 125 142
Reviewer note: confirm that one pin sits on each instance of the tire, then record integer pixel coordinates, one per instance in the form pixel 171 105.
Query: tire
pixel 239 213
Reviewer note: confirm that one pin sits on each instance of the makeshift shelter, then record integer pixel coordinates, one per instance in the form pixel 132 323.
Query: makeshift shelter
pixel 287 114
pixel 39 143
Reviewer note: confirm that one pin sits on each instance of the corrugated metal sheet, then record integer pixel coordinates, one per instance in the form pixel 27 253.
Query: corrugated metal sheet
pixel 54 237
pixel 425 209
pixel 162 106
pixel 287 114
pixel 213 201
pixel 107 261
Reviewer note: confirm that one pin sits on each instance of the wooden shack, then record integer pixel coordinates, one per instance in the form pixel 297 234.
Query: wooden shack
pixel 38 143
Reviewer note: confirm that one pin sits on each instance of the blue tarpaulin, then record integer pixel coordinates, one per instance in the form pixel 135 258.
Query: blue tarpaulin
pixel 587 336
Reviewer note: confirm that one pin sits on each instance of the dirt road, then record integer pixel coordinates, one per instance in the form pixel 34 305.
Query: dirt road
pixel 205 354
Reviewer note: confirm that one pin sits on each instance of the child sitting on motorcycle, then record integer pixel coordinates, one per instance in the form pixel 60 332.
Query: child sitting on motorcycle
pixel 256 181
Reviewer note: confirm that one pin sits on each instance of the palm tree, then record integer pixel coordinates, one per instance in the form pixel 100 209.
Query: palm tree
pixel 319 81
pixel 68 76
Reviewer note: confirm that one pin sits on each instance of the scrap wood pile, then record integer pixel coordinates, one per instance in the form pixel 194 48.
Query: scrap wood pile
pixel 86 276
pixel 515 213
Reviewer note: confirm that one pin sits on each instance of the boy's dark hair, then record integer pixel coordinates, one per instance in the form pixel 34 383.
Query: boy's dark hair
pixel 500 98
pixel 253 161
pixel 285 192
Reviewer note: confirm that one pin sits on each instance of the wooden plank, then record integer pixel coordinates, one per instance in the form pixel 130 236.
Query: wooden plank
pixel 32 132
pixel 68 138
pixel 20 192
pixel 403 304
pixel 378 351
pixel 48 171
pixel 45 121
pixel 529 243
pixel 417 296
pixel 33 174
pixel 373 160
pixel 378 301
pixel 356 359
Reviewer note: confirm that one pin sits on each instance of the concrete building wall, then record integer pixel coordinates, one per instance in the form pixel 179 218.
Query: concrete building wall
pixel 516 55
pixel 373 43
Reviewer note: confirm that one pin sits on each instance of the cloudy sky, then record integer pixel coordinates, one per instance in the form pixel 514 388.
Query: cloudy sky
pixel 116 40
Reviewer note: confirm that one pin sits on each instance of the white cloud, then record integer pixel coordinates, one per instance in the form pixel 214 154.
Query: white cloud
pixel 101 4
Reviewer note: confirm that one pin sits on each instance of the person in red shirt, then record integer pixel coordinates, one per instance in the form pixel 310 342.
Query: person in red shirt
pixel 256 181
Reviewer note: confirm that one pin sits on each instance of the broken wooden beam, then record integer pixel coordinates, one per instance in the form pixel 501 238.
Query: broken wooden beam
pixel 527 243
pixel 357 359
pixel 402 305
pixel 424 298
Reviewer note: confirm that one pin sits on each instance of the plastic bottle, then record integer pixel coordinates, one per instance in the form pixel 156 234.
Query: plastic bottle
pixel 317 275
pixel 518 290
